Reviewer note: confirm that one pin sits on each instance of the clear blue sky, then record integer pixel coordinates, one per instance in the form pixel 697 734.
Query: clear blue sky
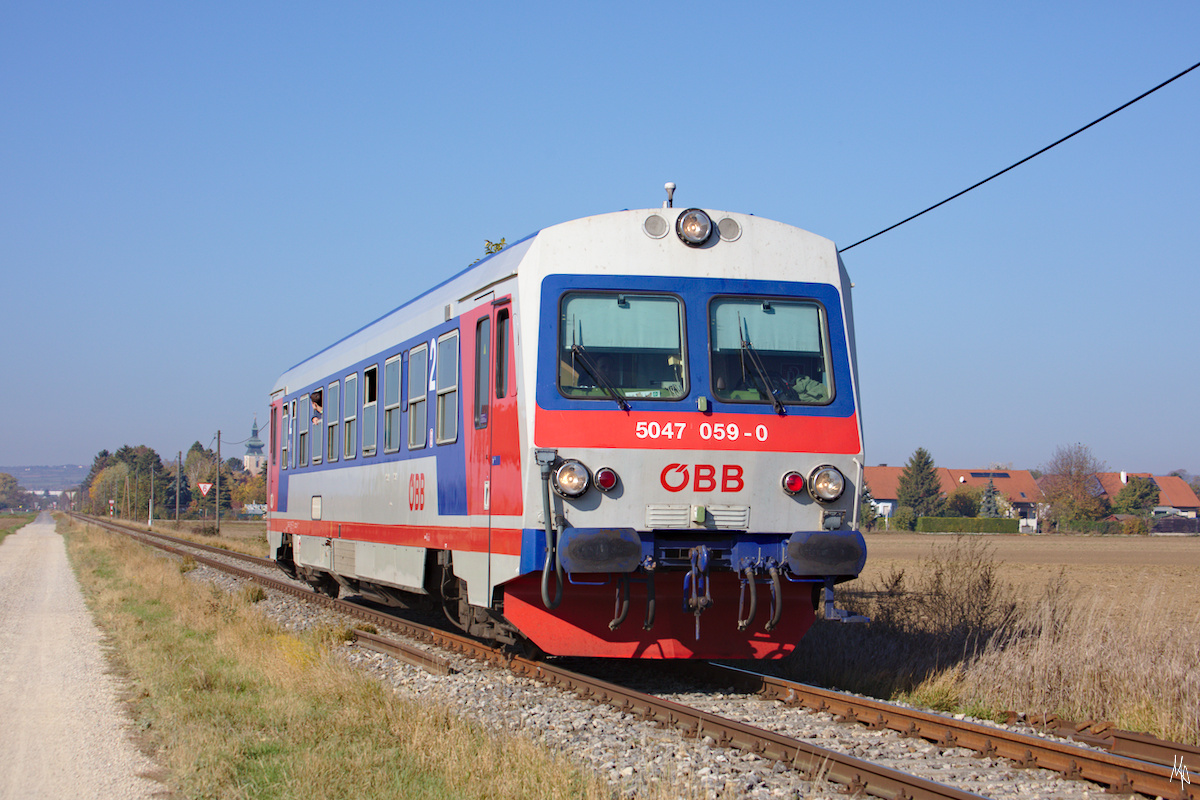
pixel 196 196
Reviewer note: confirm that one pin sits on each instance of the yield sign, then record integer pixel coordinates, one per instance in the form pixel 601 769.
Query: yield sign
pixel 204 487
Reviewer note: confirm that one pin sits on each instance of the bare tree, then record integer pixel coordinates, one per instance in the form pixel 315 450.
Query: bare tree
pixel 1070 485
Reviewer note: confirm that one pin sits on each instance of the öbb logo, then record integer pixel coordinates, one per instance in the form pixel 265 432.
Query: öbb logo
pixel 702 477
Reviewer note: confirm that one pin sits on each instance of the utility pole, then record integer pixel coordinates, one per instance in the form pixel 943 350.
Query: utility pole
pixel 178 475
pixel 150 514
pixel 217 499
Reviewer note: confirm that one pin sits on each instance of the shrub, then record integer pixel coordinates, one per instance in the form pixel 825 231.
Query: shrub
pixel 1134 527
pixel 902 519
pixel 968 525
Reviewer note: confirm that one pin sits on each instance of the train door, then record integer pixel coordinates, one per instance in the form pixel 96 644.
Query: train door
pixel 490 411
pixel 273 456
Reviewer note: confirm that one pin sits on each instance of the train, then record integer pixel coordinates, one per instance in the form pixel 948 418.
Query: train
pixel 631 435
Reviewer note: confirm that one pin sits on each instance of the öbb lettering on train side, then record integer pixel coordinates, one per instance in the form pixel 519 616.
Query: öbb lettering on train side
pixel 416 491
pixel 702 477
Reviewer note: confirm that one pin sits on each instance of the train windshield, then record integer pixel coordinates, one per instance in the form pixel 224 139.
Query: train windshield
pixel 621 346
pixel 766 350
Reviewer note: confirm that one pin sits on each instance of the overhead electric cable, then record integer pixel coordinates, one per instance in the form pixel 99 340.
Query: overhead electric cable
pixel 1023 160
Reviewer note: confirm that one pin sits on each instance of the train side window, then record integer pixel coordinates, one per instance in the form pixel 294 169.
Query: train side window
pixel 318 425
pixel 503 332
pixel 391 405
pixel 483 332
pixel 285 439
pixel 447 388
pixel 292 437
pixel 332 416
pixel 302 436
pixel 350 421
pixel 418 377
pixel 370 420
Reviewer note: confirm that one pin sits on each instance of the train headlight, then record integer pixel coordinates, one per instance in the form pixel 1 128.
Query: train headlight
pixel 793 483
pixel 694 227
pixel 826 484
pixel 571 479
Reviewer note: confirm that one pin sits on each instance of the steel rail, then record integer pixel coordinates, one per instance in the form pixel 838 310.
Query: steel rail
pixel 416 656
pixel 1120 773
pixel 1127 743
pixel 856 774
pixel 142 531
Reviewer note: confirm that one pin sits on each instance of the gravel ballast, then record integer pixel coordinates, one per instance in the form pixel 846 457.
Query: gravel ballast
pixel 633 755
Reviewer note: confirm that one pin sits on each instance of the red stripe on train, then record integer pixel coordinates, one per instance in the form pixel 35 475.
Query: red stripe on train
pixel 504 541
pixel 687 430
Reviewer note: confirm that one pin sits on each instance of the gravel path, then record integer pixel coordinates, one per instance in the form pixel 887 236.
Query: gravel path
pixel 64 733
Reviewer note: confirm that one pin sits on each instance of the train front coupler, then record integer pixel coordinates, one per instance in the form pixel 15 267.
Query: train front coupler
pixel 697 593
pixel 750 570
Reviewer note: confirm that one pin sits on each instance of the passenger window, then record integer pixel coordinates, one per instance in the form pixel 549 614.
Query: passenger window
pixel 370 419
pixel 318 427
pixel 350 423
pixel 769 350
pixel 418 377
pixel 503 333
pixel 285 440
pixel 391 405
pixel 447 388
pixel 483 334
pixel 332 416
pixel 302 438
pixel 621 346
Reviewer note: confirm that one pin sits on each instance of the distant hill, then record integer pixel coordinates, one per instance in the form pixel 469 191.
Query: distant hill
pixel 41 478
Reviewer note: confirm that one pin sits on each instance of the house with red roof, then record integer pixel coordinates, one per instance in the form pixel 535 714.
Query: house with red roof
pixel 1174 494
pixel 1017 486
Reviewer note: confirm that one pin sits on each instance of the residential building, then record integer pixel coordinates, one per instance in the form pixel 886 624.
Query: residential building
pixel 1016 486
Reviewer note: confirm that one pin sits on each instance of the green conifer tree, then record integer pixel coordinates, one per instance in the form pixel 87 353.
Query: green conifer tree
pixel 989 507
pixel 920 488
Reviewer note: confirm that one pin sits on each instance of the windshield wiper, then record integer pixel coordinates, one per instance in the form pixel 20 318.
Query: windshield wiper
pixel 598 376
pixel 761 372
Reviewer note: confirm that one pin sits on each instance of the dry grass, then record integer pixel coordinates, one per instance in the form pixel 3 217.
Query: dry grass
pixel 248 538
pixel 1078 660
pixel 10 523
pixel 235 708
pixel 953 637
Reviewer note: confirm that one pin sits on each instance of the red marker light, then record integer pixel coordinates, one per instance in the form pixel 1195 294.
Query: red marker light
pixel 606 479
pixel 793 483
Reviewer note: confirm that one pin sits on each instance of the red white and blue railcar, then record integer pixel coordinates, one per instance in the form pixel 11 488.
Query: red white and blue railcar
pixel 631 435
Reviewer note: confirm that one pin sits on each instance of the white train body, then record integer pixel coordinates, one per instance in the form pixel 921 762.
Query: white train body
pixel 712 383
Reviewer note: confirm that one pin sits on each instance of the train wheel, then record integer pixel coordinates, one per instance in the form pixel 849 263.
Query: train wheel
pixel 325 584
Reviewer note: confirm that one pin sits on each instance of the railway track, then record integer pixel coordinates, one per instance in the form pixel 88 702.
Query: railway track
pixel 1114 767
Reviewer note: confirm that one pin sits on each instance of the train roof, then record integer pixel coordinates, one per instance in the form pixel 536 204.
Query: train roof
pixel 584 243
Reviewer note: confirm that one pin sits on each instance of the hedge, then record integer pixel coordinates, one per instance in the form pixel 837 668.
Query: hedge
pixel 968 525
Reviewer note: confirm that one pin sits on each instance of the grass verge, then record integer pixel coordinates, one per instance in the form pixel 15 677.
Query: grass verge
pixel 11 523
pixel 954 638
pixel 248 538
pixel 235 708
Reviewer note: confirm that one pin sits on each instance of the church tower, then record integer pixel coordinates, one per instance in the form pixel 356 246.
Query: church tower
pixel 255 460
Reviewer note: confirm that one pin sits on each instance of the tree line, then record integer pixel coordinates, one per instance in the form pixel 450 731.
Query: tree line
pixel 12 496
pixel 126 481
pixel 1071 495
